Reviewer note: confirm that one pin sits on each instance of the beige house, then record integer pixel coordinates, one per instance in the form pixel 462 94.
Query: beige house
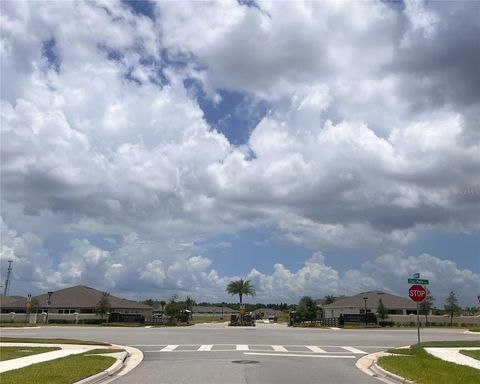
pixel 395 305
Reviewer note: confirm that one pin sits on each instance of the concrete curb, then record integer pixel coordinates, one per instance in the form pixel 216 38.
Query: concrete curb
pixel 110 371
pixel 368 364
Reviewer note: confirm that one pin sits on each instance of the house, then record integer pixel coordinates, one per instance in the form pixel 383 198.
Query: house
pixel 15 304
pixel 82 299
pixel 212 310
pixel 395 305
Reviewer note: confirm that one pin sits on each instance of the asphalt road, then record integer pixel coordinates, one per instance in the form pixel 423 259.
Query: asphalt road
pixel 268 353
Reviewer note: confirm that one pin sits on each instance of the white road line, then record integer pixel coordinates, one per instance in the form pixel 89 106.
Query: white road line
pixel 315 349
pixel 354 350
pixel 169 348
pixel 242 347
pixel 205 348
pixel 279 348
pixel 298 355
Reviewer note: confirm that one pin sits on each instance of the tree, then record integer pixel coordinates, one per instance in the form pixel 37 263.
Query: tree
pixel 173 310
pixel 471 311
pixel 427 305
pixel 306 308
pixel 240 287
pixel 451 305
pixel 328 299
pixel 162 304
pixel 103 306
pixel 381 310
pixel 149 302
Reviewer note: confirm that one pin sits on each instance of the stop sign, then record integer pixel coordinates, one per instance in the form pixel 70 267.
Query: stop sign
pixel 417 293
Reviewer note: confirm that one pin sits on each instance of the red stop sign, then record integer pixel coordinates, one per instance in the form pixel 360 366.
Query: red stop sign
pixel 417 293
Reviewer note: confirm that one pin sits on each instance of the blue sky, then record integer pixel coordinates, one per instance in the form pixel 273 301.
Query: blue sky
pixel 159 148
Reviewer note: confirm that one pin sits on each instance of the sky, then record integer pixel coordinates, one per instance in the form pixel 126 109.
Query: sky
pixel 314 148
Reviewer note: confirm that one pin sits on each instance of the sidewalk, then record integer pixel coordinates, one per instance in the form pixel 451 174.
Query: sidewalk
pixel 126 360
pixel 66 350
pixel 453 355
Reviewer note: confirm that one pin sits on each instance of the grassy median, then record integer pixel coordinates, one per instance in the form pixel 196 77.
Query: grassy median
pixel 475 354
pixel 66 370
pixel 48 341
pixel 9 353
pixel 417 365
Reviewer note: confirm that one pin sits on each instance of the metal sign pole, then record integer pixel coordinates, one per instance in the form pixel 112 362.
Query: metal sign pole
pixel 418 324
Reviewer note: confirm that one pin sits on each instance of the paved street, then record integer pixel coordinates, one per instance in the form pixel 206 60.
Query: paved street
pixel 268 353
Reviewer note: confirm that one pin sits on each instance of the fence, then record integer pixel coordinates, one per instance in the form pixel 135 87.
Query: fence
pixel 40 318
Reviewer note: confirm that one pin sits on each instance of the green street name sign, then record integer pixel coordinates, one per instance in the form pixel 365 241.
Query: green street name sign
pixel 418 281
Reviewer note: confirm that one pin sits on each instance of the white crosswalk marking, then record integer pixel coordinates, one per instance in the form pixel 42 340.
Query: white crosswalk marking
pixel 205 348
pixel 242 347
pixel 353 350
pixel 315 349
pixel 279 348
pixel 169 348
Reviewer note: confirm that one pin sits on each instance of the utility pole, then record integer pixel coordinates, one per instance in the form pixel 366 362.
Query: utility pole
pixel 7 282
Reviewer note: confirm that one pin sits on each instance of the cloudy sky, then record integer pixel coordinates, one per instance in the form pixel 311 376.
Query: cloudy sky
pixel 314 148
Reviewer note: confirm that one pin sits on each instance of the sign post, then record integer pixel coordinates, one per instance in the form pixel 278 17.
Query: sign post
pixel 417 293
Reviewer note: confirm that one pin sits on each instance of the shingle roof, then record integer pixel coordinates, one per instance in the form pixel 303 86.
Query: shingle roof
pixel 82 296
pixel 373 297
pixel 13 301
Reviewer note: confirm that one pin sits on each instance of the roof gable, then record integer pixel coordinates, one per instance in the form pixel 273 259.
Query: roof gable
pixel 81 296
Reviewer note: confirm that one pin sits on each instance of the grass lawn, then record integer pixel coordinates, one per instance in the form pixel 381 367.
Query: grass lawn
pixel 419 366
pixel 8 353
pixel 475 329
pixel 66 370
pixel 48 341
pixel 453 343
pixel 470 353
pixel 17 325
pixel 103 350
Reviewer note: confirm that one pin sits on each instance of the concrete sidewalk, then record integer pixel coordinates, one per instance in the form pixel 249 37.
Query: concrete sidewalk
pixel 66 350
pixel 454 356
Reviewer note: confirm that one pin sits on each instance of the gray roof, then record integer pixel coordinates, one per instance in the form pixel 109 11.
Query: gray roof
pixel 12 301
pixel 82 296
pixel 373 297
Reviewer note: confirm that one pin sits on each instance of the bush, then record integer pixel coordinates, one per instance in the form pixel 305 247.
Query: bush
pixel 60 321
pixel 90 321
pixel 386 323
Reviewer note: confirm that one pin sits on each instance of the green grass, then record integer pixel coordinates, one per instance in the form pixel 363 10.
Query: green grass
pixel 104 350
pixel 48 341
pixel 475 329
pixel 17 325
pixel 471 353
pixel 453 343
pixel 423 368
pixel 9 353
pixel 66 370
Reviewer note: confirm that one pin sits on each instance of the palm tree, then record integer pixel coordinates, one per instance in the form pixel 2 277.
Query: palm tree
pixel 240 287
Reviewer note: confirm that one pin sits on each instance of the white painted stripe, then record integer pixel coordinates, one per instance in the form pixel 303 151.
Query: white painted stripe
pixel 353 350
pixel 315 349
pixel 169 348
pixel 279 348
pixel 242 347
pixel 298 355
pixel 205 348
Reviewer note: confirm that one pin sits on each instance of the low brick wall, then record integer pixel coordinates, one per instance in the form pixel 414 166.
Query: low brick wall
pixel 40 318
pixel 435 320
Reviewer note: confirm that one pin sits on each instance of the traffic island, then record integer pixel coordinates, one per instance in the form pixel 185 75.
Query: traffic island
pixel 64 363
pixel 416 364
